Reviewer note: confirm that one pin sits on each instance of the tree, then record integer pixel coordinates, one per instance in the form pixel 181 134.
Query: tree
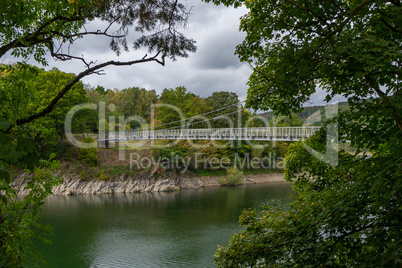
pixel 19 226
pixel 46 85
pixel 101 90
pixel 222 99
pixel 347 208
pixel 40 27
pixel 26 32
pixel 129 102
pixel 189 105
pixel 346 48
pixel 287 121
pixel 343 216
pixel 31 91
pixel 138 101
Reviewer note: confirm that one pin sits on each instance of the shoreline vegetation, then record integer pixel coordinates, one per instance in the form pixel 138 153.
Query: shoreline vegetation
pixel 105 171
pixel 145 182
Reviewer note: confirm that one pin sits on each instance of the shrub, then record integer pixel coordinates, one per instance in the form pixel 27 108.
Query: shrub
pixel 101 176
pixel 233 177
pixel 88 155
pixel 118 170
pixel 85 175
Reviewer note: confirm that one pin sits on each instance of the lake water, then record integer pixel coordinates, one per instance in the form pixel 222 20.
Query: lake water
pixel 177 229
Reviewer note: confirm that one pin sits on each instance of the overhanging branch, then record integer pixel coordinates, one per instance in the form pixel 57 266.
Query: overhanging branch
pixel 93 70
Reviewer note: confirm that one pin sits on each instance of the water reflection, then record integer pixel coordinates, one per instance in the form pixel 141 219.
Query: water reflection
pixel 178 229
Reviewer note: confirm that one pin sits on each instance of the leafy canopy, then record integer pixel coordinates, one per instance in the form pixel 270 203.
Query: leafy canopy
pixel 350 48
pixel 348 214
pixel 38 28
pixel 343 216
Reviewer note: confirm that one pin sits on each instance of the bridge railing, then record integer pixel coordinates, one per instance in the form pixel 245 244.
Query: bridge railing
pixel 257 133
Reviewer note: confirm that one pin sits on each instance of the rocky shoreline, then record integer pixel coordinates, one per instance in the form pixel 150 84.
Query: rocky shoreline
pixel 73 185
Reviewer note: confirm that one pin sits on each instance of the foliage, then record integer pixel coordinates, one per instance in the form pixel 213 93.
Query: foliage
pixel 286 121
pixel 131 101
pixel 27 32
pixel 27 89
pixel 101 176
pixel 204 155
pixel 229 111
pixel 348 215
pixel 86 174
pixel 348 48
pixel 309 115
pixel 189 105
pixel 119 170
pixel 347 210
pixel 88 155
pixel 234 177
pixel 46 86
pixel 101 90
pixel 171 157
pixel 219 100
pixel 18 217
pixel 37 28
pixel 100 172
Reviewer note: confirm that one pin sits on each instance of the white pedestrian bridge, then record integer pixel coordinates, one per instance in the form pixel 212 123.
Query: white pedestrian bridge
pixel 254 133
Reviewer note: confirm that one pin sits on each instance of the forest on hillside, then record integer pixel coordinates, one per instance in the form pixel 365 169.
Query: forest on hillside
pixel 220 110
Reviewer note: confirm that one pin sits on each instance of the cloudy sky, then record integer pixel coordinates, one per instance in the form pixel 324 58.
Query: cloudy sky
pixel 214 67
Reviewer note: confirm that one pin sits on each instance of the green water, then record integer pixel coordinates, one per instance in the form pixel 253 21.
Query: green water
pixel 179 229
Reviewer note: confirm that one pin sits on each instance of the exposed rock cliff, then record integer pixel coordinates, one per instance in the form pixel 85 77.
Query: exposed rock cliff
pixel 73 185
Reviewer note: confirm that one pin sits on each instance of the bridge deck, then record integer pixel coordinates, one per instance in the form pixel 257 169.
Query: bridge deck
pixel 260 133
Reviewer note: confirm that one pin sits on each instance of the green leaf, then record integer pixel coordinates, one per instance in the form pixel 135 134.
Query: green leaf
pixel 4 125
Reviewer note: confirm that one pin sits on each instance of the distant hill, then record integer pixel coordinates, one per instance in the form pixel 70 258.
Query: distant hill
pixel 312 115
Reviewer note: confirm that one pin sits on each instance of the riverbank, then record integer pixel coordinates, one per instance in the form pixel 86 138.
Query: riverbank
pixel 143 182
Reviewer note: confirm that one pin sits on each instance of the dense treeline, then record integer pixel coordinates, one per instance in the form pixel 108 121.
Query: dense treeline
pixel 173 108
pixel 221 109
pixel 32 88
pixel 310 115
pixel 27 89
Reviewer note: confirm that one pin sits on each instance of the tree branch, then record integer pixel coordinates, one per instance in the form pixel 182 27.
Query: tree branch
pixel 395 115
pixel 308 9
pixel 32 39
pixel 67 87
pixel 390 26
pixel 349 16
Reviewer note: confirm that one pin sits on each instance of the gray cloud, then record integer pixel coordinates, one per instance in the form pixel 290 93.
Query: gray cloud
pixel 214 67
pixel 218 52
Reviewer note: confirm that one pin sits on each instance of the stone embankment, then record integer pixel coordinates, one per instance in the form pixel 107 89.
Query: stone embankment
pixel 73 185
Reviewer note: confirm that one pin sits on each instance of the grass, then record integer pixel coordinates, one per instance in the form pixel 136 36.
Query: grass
pixel 119 170
pixel 222 172
pixel 206 172
pixel 261 171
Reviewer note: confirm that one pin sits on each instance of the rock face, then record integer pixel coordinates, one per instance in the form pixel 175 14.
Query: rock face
pixel 73 185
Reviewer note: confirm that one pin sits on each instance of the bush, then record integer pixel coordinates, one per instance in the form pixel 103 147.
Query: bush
pixel 233 177
pixel 101 176
pixel 88 155
pixel 118 170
